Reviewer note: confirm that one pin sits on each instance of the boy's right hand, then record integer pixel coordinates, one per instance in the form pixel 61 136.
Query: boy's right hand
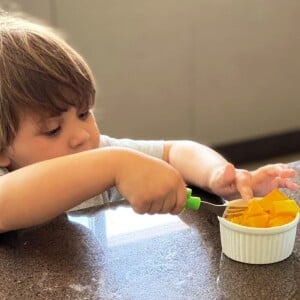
pixel 149 184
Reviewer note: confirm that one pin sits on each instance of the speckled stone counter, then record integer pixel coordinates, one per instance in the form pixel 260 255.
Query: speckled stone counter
pixel 113 253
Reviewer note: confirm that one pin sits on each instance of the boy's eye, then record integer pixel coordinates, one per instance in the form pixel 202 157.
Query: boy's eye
pixel 84 115
pixel 53 132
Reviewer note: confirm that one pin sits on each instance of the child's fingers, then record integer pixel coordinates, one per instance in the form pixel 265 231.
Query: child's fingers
pixel 288 173
pixel 169 205
pixel 243 184
pixel 282 170
pixel 246 193
pixel 291 185
pixel 181 201
pixel 140 207
pixel 286 183
pixel 155 207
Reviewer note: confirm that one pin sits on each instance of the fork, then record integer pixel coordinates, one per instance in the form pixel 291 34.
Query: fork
pixel 227 208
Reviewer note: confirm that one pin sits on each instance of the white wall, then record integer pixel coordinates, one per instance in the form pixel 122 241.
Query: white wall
pixel 217 71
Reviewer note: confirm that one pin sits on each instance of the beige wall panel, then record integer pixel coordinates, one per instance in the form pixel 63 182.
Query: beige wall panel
pixel 247 69
pixel 138 51
pixel 42 9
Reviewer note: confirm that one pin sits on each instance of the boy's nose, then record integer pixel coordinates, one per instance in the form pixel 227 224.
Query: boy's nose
pixel 79 138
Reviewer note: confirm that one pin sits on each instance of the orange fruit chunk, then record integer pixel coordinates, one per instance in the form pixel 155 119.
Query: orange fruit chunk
pixel 275 209
pixel 267 201
pixel 280 220
pixel 254 208
pixel 257 221
pixel 284 207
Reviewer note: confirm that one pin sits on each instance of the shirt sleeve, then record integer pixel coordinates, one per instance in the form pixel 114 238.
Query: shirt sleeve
pixel 153 148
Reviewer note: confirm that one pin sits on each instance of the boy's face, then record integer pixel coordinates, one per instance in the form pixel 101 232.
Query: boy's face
pixel 69 133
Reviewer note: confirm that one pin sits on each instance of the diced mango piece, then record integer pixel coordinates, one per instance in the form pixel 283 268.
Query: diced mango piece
pixel 284 207
pixel 254 209
pixel 237 220
pixel 280 220
pixel 275 209
pixel 275 195
pixel 257 221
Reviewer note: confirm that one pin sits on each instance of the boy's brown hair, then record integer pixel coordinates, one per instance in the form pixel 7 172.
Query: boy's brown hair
pixel 39 73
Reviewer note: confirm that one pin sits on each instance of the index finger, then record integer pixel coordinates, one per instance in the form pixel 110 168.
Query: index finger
pixel 181 197
pixel 243 184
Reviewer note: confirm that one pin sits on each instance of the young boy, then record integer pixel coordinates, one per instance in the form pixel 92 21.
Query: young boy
pixel 53 158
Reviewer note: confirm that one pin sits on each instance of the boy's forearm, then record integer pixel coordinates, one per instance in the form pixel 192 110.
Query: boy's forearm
pixel 196 162
pixel 39 192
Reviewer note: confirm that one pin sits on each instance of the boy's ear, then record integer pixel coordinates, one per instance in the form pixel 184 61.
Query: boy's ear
pixel 4 160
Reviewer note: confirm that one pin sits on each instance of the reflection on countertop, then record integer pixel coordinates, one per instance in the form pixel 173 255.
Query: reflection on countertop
pixel 123 226
pixel 113 253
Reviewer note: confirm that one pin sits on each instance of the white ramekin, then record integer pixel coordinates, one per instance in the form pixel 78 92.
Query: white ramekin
pixel 257 245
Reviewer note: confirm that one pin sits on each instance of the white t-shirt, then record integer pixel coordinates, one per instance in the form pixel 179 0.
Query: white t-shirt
pixel 153 148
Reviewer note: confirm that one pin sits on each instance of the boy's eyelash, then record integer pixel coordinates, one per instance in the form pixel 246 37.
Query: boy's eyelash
pixel 84 115
pixel 53 132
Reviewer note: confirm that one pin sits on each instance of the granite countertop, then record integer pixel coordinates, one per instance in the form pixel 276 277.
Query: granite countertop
pixel 113 253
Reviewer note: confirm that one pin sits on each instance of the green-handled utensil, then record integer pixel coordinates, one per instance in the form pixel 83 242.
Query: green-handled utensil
pixel 233 207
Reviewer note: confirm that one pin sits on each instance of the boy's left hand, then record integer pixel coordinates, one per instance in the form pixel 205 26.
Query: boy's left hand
pixel 231 183
pixel 270 177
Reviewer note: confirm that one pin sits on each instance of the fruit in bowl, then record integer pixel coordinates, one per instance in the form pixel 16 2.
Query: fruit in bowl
pixel 263 233
pixel 275 209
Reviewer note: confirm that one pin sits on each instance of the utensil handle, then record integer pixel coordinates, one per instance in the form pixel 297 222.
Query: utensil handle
pixel 192 202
